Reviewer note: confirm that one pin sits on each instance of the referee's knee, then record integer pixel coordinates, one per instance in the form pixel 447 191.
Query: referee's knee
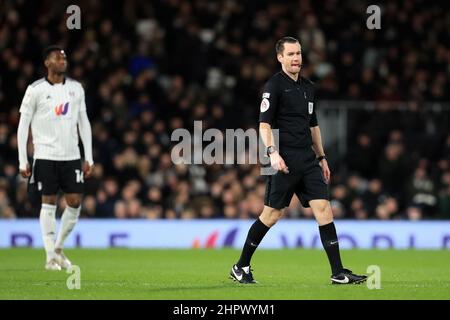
pixel 322 211
pixel 270 216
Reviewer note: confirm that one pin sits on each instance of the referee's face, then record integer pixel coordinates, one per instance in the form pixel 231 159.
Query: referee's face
pixel 57 61
pixel 291 58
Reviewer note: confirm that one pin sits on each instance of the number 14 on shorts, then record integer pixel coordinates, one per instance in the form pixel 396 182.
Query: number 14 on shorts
pixel 79 175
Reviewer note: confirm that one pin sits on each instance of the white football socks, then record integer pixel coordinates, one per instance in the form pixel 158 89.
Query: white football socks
pixel 68 221
pixel 48 228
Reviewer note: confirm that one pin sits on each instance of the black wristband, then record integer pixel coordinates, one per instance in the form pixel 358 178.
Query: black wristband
pixel 321 158
pixel 270 150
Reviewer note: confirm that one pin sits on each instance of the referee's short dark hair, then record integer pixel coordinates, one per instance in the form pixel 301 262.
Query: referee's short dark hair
pixel 279 47
pixel 47 51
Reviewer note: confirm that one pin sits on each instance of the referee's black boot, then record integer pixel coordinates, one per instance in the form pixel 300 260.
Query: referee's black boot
pixel 347 277
pixel 242 275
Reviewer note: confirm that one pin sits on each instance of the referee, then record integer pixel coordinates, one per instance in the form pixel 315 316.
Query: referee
pixel 288 104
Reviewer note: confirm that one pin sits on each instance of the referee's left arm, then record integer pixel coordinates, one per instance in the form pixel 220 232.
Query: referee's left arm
pixel 317 141
pixel 318 149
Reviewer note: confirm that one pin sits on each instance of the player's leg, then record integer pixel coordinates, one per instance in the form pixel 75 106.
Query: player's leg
pixel 44 177
pixel 47 220
pixel 324 216
pixel 72 183
pixel 69 219
pixel 241 270
pixel 278 196
pixel 313 192
pixel 256 233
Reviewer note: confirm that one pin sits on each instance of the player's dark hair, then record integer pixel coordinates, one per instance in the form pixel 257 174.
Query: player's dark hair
pixel 279 47
pixel 47 51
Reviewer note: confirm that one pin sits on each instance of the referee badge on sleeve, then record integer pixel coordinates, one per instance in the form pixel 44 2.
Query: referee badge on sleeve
pixel 310 107
pixel 265 104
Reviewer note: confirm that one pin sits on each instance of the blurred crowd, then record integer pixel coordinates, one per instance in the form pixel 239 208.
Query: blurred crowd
pixel 150 67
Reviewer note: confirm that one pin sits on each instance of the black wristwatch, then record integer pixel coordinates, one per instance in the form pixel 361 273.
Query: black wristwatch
pixel 270 150
pixel 321 158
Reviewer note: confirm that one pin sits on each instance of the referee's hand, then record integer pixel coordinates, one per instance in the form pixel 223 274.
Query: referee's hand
pixel 277 162
pixel 326 171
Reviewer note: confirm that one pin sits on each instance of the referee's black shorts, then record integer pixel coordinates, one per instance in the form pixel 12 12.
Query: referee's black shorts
pixel 305 179
pixel 49 176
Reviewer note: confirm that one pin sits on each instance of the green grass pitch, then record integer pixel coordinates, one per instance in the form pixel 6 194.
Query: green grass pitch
pixel 203 274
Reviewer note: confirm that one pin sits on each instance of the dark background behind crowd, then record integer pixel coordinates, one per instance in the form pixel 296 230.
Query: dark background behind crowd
pixel 150 67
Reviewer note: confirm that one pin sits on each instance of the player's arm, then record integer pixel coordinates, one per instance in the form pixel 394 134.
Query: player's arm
pixel 84 127
pixel 318 149
pixel 26 115
pixel 317 144
pixel 276 161
pixel 267 114
pixel 317 141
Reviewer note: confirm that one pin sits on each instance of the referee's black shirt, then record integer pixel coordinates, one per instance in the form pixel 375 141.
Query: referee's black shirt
pixel 289 106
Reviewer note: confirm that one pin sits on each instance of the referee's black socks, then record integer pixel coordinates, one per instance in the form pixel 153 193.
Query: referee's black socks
pixel 331 245
pixel 256 233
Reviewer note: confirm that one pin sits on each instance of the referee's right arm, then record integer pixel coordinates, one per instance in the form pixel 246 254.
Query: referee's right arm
pixel 268 107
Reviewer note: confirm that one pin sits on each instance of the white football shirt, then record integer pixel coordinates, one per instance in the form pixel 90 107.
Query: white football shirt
pixel 54 111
